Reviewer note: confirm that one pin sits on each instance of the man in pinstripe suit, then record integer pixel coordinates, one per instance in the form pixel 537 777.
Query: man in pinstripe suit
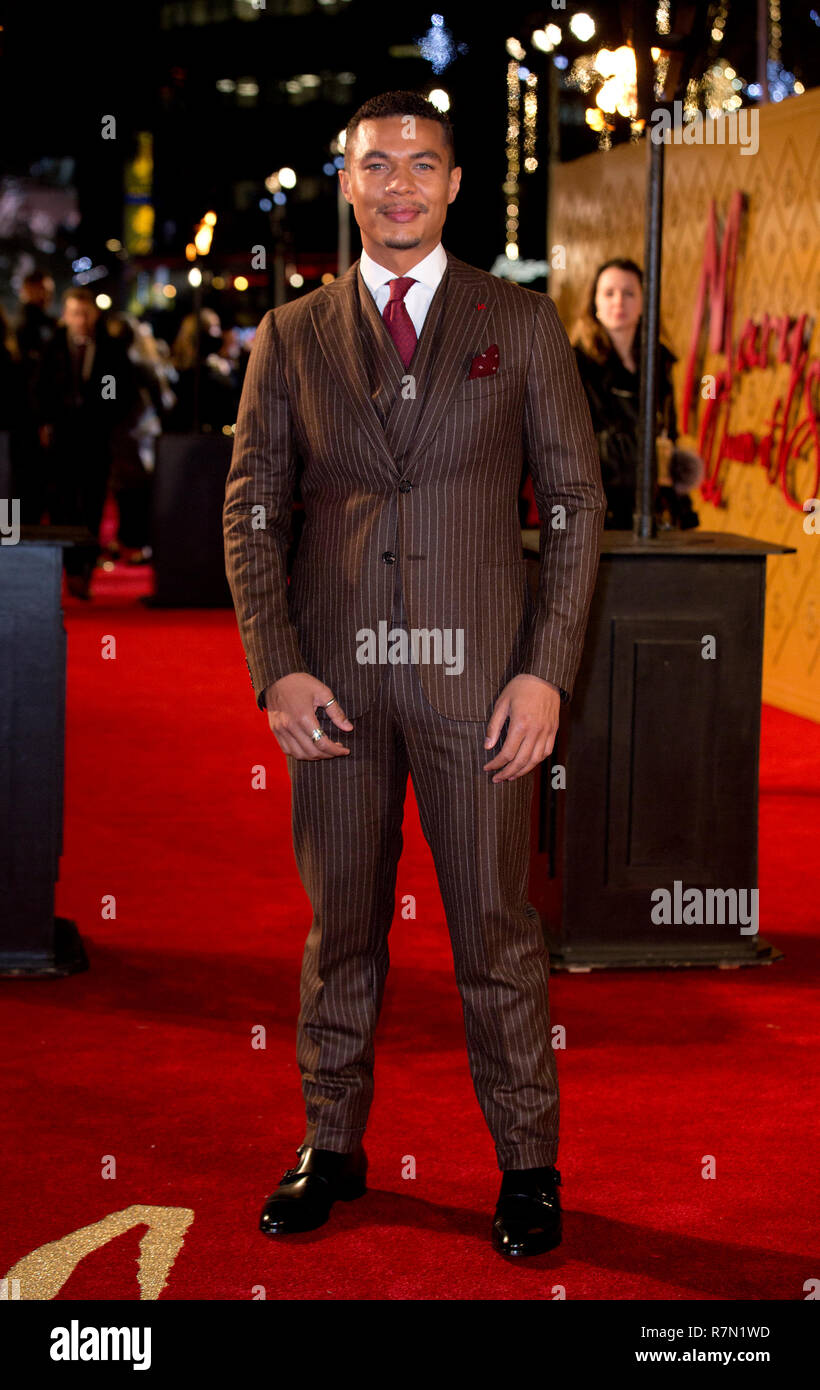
pixel 406 396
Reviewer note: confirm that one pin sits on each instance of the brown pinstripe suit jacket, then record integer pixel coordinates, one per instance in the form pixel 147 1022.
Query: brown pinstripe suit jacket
pixel 306 409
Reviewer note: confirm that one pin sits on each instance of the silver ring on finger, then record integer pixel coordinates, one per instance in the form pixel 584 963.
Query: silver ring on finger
pixel 330 702
pixel 316 735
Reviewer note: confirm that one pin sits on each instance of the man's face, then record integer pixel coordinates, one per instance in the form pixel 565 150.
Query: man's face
pixel 80 317
pixel 399 184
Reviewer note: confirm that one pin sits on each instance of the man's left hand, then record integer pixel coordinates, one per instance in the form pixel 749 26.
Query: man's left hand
pixel 533 708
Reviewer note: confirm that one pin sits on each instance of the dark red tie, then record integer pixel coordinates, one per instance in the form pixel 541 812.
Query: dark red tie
pixel 399 322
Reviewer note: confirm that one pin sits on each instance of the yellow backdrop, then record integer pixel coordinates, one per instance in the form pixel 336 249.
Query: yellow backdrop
pixel 598 212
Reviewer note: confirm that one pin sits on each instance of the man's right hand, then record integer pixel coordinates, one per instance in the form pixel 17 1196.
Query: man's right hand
pixel 291 704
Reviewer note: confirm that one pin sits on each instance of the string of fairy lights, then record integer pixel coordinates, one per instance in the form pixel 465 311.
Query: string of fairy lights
pixel 609 77
pixel 511 185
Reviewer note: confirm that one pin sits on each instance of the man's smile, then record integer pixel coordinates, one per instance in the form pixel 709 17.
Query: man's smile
pixel 402 214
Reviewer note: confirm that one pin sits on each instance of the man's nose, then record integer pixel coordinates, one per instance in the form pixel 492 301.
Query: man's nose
pixel 400 182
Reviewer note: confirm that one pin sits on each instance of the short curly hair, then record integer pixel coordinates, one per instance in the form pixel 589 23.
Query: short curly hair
pixel 402 104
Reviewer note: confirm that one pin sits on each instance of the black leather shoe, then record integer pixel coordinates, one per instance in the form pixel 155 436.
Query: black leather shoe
pixel 303 1199
pixel 528 1214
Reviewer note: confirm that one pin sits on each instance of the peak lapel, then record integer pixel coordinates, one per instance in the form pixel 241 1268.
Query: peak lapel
pixel 334 317
pixel 464 331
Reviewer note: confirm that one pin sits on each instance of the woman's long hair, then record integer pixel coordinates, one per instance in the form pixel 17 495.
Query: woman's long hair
pixel 589 333
pixel 183 351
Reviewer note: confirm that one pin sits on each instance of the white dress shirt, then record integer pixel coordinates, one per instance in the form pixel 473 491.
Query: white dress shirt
pixel 427 273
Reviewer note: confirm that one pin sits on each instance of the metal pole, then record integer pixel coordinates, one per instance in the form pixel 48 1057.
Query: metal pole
pixel 553 154
pixel 197 351
pixel 279 290
pixel 763 49
pixel 644 514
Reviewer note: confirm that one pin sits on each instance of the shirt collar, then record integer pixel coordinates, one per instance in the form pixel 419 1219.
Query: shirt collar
pixel 429 271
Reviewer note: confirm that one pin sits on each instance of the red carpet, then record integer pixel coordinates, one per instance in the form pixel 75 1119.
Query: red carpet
pixel 148 1057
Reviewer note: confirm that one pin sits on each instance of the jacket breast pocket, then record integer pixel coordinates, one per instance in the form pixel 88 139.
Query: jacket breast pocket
pixel 482 387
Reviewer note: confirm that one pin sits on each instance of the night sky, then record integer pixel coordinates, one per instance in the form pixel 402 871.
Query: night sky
pixel 64 67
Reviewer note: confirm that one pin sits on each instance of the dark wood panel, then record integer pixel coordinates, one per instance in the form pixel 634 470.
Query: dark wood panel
pixel 665 698
pixel 661 749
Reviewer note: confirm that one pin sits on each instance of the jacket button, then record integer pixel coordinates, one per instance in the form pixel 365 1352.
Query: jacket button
pixel 405 485
pixel 389 558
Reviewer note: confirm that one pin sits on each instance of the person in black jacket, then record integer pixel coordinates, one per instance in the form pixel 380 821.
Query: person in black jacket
pixel 10 376
pixel 85 388
pixel 11 411
pixel 35 329
pixel 607 343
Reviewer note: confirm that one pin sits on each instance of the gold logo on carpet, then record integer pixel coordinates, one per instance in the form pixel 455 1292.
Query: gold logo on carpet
pixel 42 1273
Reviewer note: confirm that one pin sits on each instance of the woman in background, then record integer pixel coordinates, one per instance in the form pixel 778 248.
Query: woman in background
pixel 134 443
pixel 207 389
pixel 607 343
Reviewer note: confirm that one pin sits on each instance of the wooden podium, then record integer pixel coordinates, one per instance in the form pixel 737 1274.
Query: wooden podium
pixel 660 746
pixel 32 734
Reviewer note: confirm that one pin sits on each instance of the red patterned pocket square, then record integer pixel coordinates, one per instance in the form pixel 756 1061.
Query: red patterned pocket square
pixel 486 364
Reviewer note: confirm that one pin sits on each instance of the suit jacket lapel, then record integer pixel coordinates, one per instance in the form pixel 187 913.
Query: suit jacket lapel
pixel 464 331
pixel 463 319
pixel 335 318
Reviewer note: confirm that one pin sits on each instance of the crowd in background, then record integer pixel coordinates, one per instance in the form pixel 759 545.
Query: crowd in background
pixel 84 400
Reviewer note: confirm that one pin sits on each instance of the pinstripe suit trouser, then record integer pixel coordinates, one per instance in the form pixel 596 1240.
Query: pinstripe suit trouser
pixel 347 815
